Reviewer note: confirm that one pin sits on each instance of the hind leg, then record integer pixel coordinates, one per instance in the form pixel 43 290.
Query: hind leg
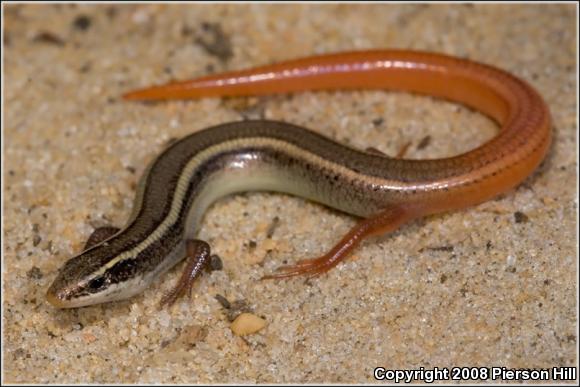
pixel 386 221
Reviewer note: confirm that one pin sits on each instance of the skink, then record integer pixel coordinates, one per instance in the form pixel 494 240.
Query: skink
pixel 180 184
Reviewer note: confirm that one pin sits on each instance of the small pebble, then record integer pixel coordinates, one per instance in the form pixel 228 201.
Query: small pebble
pixel 34 273
pixel 215 263
pixel 272 227
pixel 520 217
pixel 223 301
pixel 378 121
pixel 48 37
pixel 82 23
pixel 424 142
pixel 246 324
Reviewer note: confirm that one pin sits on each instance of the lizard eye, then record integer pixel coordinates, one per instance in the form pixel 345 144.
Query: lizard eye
pixel 97 283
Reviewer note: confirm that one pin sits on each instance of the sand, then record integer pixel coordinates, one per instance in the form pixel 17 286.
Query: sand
pixel 490 286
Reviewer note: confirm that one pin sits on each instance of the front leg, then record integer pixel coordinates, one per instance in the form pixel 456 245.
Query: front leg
pixel 99 235
pixel 198 253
